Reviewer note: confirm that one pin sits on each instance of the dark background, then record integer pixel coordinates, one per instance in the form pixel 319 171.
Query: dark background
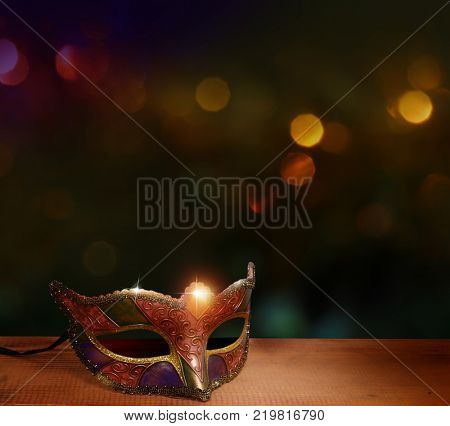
pixel 69 160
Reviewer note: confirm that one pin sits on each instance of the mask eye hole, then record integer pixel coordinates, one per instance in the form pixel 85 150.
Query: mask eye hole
pixel 139 343
pixel 226 333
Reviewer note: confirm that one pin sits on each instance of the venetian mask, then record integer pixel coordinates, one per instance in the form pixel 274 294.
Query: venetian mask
pixel 141 341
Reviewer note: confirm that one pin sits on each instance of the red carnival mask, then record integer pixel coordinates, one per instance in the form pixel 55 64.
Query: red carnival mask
pixel 183 358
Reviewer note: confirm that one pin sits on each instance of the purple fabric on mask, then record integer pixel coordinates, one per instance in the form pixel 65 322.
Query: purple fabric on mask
pixel 91 353
pixel 216 367
pixel 161 374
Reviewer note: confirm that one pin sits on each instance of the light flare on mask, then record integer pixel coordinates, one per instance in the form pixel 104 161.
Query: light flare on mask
pixel 198 297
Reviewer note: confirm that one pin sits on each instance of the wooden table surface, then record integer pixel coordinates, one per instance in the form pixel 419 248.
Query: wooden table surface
pixel 278 372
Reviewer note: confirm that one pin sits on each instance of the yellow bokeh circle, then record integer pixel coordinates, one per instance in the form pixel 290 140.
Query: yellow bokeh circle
pixel 415 106
pixel 306 130
pixel 213 94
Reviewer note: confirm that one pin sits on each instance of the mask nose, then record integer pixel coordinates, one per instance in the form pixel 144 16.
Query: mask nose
pixel 196 372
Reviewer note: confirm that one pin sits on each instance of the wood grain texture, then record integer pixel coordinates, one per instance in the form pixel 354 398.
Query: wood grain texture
pixel 278 372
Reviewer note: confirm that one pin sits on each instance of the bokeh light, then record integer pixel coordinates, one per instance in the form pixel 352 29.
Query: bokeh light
pixel 67 56
pixel 286 316
pixel 425 73
pixel 100 258
pixel 92 61
pixel 8 55
pixel 306 130
pixel 333 325
pixel 337 138
pixel 6 159
pixel 415 106
pixel 296 167
pixel 18 74
pixel 212 94
pixel 374 220
pixel 56 203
